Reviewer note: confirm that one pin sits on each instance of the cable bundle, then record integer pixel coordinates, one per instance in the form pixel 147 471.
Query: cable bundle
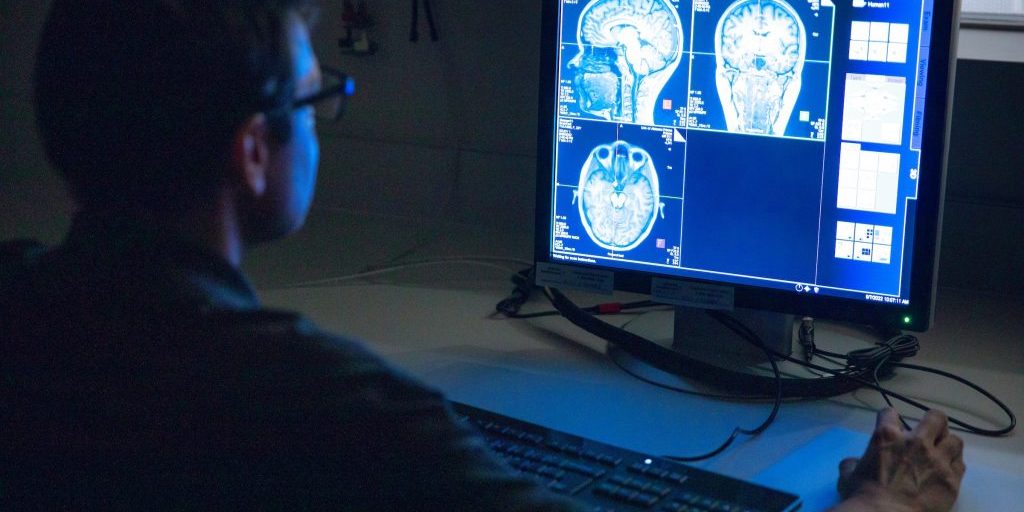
pixel 862 367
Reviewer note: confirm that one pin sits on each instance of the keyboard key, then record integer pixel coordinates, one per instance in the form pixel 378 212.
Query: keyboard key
pixel 623 494
pixel 605 488
pixel 571 450
pixel 618 479
pixel 548 471
pixel 644 499
pixel 533 455
pixel 581 468
pixel 676 506
pixel 660 490
pixel 552 459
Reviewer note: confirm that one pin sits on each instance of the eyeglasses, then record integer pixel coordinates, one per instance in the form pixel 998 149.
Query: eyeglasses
pixel 330 101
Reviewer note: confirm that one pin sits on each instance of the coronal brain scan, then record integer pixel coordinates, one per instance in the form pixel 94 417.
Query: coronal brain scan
pixel 628 51
pixel 760 48
pixel 618 195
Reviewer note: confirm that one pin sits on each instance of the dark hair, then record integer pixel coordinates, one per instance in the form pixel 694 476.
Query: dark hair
pixel 138 102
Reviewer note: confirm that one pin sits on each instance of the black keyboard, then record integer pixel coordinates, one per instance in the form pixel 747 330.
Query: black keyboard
pixel 614 479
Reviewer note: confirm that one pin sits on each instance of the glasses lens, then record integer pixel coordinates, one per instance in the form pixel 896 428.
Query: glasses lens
pixel 329 109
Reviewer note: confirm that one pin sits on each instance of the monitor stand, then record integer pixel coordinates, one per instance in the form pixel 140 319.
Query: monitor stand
pixel 695 334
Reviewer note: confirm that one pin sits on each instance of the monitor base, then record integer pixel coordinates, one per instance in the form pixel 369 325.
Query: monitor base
pixel 698 335
pixel 692 333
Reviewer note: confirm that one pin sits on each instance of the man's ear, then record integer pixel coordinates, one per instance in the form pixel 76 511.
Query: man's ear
pixel 250 155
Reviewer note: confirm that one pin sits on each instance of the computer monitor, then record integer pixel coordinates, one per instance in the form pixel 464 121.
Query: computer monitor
pixel 773 155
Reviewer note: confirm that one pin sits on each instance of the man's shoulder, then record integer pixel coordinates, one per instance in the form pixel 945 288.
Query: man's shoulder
pixel 281 340
pixel 269 327
pixel 17 256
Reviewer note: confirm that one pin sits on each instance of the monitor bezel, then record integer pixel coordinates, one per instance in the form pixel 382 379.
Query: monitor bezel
pixel 928 221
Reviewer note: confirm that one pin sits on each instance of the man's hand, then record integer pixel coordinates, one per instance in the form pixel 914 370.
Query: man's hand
pixel 915 470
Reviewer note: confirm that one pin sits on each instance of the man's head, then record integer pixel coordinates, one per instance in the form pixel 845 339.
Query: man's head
pixel 164 105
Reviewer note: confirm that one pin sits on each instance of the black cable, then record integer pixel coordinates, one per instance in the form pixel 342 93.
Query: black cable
pixel 586 321
pixel 414 31
pixel 979 389
pixel 894 348
pixel 523 282
pixel 841 364
pixel 854 376
pixel 414 34
pixel 806 337
pixel 904 346
pixel 885 395
pixel 887 355
pixel 967 426
pixel 610 308
pixel 876 359
pixel 890 351
pixel 820 352
pixel 751 337
pixel 676 389
pixel 430 20
pixel 539 314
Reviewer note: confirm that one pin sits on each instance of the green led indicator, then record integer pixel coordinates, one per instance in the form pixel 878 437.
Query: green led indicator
pixel 906 319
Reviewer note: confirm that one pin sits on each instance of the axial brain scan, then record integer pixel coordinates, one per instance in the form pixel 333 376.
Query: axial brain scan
pixel 759 51
pixel 628 51
pixel 618 195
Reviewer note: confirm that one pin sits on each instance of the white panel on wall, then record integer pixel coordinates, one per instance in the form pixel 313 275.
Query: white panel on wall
pixel 993 6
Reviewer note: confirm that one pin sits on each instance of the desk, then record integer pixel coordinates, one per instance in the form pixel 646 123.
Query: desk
pixel 434 322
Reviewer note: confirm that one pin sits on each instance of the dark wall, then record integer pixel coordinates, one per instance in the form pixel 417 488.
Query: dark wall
pixel 983 235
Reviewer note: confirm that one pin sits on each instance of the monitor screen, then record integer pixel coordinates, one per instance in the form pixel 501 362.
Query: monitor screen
pixel 774 154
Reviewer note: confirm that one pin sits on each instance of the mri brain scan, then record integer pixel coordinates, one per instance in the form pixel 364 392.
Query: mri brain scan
pixel 618 195
pixel 760 47
pixel 628 51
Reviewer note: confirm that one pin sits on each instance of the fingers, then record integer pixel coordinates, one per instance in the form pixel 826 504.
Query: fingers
pixel 888 417
pixel 847 466
pixel 846 469
pixel 959 468
pixel 952 447
pixel 887 428
pixel 934 427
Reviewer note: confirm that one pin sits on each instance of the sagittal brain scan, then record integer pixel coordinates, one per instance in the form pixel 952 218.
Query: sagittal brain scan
pixel 628 51
pixel 760 48
pixel 618 195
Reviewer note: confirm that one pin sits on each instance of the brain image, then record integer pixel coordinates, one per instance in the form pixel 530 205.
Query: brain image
pixel 759 52
pixel 628 51
pixel 618 195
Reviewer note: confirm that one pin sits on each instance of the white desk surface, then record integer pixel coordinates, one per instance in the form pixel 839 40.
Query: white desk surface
pixel 435 322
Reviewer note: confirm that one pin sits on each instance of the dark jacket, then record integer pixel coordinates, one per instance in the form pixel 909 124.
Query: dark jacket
pixel 137 372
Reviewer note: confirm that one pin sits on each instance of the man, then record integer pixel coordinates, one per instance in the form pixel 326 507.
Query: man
pixel 137 368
